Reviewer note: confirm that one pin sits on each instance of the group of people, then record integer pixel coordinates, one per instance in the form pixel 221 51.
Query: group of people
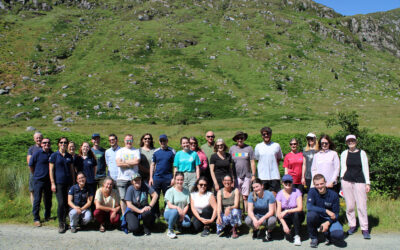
pixel 202 185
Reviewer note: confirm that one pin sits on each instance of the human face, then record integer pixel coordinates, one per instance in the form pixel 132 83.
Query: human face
pixel 179 181
pixel 38 139
pixel 227 181
pixel 113 141
pixel 185 144
pixel 85 148
pixel 210 137
pixel 220 147
pixel 257 188
pixel 71 148
pixel 164 143
pixel 81 180
pixel 351 143
pixel 193 145
pixel 137 183
pixel 63 144
pixel 202 186
pixel 107 185
pixel 266 136
pixel 311 141
pixel 147 140
pixel 287 185
pixel 96 141
pixel 45 144
pixel 320 185
pixel 324 144
pixel 240 141
pixel 293 145
pixel 128 141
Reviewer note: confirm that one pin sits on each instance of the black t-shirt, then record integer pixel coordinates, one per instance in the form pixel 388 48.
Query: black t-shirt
pixel 221 166
pixel 354 171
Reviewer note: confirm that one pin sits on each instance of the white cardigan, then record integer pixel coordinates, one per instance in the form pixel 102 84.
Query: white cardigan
pixel 364 163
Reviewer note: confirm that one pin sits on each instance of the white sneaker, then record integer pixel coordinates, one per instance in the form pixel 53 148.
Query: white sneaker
pixel 171 234
pixel 297 240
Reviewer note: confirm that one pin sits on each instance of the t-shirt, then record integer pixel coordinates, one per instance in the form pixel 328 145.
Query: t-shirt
pixel 33 149
pixel 203 159
pixel 80 196
pixel 261 205
pixel 208 150
pixel 40 164
pixel 291 202
pixel 268 156
pixel 126 154
pixel 111 201
pixel 241 158
pixel 180 199
pixel 139 197
pixel 101 162
pixel 309 155
pixel 201 201
pixel 87 167
pixel 186 161
pixel 110 155
pixel 294 163
pixel 163 159
pixel 62 167
pixel 221 166
pixel 145 161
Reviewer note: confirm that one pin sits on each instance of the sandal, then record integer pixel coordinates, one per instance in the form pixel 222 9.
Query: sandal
pixel 102 228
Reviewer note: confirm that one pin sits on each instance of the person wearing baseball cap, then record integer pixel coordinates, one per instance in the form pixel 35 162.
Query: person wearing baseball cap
pixel 355 181
pixel 308 155
pixel 100 154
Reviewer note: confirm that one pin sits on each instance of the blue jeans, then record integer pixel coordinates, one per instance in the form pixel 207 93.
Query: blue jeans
pixel 172 216
pixel 314 220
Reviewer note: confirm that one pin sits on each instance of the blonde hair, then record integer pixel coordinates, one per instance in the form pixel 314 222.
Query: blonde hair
pixel 316 145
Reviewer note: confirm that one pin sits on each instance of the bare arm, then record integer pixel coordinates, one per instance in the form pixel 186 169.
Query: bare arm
pixel 152 169
pixel 303 172
pixel 194 210
pixel 237 199
pixel 88 203
pixel 198 172
pixel 51 172
pixel 154 197
pixel 250 212
pixel 101 207
pixel 132 207
pixel 214 178
pixel 253 169
pixel 213 204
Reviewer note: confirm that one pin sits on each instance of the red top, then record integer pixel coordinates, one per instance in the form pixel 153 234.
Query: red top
pixel 294 163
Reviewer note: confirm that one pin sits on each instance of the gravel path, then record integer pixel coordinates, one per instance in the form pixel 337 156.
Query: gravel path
pixel 29 237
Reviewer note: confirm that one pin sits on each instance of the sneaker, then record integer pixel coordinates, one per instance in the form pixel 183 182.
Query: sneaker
pixel 205 232
pixel 267 236
pixel 328 241
pixel 366 234
pixel 297 240
pixel 255 234
pixel 234 233
pixel 147 232
pixel 37 223
pixel 352 230
pixel 73 230
pixel 61 228
pixel 171 234
pixel 314 243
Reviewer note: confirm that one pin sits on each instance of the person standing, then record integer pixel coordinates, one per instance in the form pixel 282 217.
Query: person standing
pixel 208 147
pixel 187 162
pixel 99 152
pixel 86 163
pixel 308 153
pixel 146 155
pixel 268 154
pixel 161 170
pixel 355 185
pixel 39 166
pixel 244 165
pixel 204 166
pixel 37 137
pixel 293 164
pixel 220 164
pixel 128 159
pixel 110 157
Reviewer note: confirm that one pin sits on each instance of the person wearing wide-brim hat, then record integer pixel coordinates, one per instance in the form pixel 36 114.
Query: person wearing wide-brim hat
pixel 244 165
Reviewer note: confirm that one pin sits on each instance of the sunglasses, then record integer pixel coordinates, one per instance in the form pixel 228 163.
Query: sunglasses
pixel 202 185
pixel 287 182
pixel 210 136
pixel 220 145
pixel 240 138
pixel 310 138
pixel 129 141
pixel 292 144
pixel 193 143
pixel 45 142
pixel 324 143
pixel 163 140
pixel 63 142
pixel 266 134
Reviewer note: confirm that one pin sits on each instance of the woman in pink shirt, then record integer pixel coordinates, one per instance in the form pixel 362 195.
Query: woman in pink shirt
pixel 326 162
pixel 204 168
pixel 293 164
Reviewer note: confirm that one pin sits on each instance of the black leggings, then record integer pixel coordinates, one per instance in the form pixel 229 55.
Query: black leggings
pixel 206 214
pixel 133 220
pixel 296 219
pixel 62 200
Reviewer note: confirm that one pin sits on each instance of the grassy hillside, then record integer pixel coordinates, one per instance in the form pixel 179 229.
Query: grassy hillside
pixel 163 65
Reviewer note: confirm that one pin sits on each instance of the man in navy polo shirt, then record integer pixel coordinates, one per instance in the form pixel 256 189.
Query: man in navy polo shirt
pixel 37 137
pixel 161 177
pixel 39 166
pixel 100 153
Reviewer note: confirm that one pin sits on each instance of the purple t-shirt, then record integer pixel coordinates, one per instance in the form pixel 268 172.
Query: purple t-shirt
pixel 292 202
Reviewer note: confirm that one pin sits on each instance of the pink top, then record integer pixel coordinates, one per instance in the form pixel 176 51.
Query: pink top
pixel 203 159
pixel 326 163
pixel 294 163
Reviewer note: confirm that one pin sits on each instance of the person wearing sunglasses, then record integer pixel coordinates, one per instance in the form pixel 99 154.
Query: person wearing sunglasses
pixel 290 208
pixel 204 166
pixel 269 154
pixel 146 155
pixel 220 164
pixel 355 181
pixel 203 206
pixel 110 157
pixel 128 159
pixel 208 147
pixel 62 174
pixel 39 166
pixel 293 164
pixel 100 153
pixel 326 162
pixel 308 153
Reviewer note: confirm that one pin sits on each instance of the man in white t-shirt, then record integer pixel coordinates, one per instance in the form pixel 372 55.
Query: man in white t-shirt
pixel 268 154
pixel 128 159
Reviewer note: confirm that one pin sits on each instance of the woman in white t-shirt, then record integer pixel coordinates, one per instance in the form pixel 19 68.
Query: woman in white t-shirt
pixel 107 204
pixel 203 205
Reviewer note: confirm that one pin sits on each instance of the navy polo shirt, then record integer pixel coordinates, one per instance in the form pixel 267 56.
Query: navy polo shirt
pixel 40 164
pixel 80 196
pixel 101 162
pixel 33 149
pixel 87 167
pixel 62 164
pixel 320 202
pixel 163 160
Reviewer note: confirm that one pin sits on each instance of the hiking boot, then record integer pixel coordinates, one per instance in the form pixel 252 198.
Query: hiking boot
pixel 171 234
pixel 234 233
pixel 297 240
pixel 61 228
pixel 255 234
pixel 351 230
pixel 73 230
pixel 37 223
pixel 147 231
pixel 366 234
pixel 205 232
pixel 267 236
pixel 314 243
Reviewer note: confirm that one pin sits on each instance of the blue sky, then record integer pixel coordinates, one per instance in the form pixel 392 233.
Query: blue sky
pixel 353 7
